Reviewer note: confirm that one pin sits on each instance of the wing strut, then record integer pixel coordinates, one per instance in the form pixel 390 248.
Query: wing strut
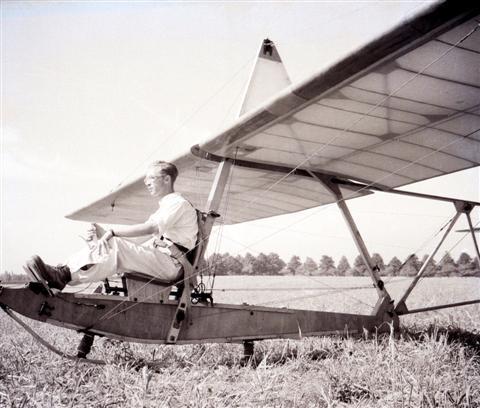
pixel 373 270
pixel 461 206
pixel 401 306
pixel 472 231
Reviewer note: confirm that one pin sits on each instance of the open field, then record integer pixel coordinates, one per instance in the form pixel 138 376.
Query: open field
pixel 435 362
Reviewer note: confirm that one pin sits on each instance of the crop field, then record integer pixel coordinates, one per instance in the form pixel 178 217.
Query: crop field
pixel 433 362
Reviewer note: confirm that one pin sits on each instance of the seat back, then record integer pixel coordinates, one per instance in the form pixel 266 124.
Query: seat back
pixel 197 258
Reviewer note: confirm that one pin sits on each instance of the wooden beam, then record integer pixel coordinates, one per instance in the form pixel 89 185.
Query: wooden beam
pixel 357 237
pixel 218 186
pixel 360 186
pixel 184 303
pixel 430 308
pixel 150 322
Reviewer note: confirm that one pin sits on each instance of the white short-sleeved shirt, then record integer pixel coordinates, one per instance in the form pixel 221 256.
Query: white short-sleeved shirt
pixel 176 220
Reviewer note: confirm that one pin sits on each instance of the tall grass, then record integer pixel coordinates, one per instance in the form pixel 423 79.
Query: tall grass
pixel 429 364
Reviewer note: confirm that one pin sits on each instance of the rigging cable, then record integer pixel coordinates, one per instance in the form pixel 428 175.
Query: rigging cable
pixel 184 123
pixel 324 207
pixel 110 314
pixel 351 195
pixel 423 245
pixel 303 297
pixel 346 129
pixel 364 115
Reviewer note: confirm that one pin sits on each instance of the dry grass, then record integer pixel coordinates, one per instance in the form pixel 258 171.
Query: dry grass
pixel 431 364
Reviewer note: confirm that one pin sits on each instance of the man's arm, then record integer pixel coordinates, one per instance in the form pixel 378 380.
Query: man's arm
pixel 137 230
pixel 129 231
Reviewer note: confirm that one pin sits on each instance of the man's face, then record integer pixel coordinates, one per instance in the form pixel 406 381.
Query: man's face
pixel 158 184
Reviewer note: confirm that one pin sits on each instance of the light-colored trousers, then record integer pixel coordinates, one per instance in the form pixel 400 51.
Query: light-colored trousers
pixel 123 256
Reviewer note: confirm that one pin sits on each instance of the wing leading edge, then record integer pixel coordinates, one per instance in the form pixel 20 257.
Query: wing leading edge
pixel 402 109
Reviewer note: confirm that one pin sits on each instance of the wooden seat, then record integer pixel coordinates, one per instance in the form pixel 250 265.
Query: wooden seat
pixel 140 287
pixel 144 288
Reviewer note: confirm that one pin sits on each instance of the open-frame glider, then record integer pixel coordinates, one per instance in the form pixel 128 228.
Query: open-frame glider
pixel 402 109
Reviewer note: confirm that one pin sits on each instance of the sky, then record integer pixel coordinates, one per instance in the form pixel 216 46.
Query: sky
pixel 91 92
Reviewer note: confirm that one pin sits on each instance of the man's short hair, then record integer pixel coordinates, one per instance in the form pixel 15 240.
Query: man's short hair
pixel 165 168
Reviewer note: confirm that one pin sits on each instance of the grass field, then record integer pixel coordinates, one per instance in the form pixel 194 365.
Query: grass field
pixel 435 362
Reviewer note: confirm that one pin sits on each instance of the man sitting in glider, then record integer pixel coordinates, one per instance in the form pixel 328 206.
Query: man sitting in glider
pixel 174 223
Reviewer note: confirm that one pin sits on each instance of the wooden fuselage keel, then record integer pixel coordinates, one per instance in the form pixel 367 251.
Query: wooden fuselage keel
pixel 144 322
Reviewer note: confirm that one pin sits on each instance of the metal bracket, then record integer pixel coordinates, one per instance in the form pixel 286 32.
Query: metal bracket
pixel 45 309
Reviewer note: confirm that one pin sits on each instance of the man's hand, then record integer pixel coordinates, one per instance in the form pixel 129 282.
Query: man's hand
pixel 158 243
pixel 95 231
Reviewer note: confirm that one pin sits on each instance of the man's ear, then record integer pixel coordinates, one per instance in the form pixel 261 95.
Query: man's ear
pixel 167 179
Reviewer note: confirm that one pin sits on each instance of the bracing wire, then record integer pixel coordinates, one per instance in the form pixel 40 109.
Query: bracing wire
pixel 320 209
pixel 366 187
pixel 346 129
pixel 344 198
pixel 314 296
pixel 331 288
pixel 364 115
pixel 153 278
pixel 422 246
pixel 457 243
pixel 185 122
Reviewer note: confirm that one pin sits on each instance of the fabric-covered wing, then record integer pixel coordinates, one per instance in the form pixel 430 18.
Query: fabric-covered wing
pixel 247 198
pixel 405 108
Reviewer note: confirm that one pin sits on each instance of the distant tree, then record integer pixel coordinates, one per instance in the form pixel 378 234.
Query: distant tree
pixel 359 267
pixel 343 266
pixel 270 264
pixel 412 265
pixel 275 263
pixel 393 267
pixel 247 262
pixel 466 265
pixel 310 267
pixel 8 276
pixel 225 264
pixel 378 262
pixel 233 265
pixel 431 268
pixel 294 265
pixel 326 266
pixel 214 263
pixel 464 259
pixel 260 265
pixel 447 266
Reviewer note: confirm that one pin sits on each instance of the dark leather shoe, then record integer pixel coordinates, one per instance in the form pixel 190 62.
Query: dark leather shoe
pixel 57 277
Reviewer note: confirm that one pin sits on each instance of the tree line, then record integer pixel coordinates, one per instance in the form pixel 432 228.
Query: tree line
pixel 272 264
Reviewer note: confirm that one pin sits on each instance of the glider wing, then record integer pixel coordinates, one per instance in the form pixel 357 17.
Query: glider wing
pixel 404 108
